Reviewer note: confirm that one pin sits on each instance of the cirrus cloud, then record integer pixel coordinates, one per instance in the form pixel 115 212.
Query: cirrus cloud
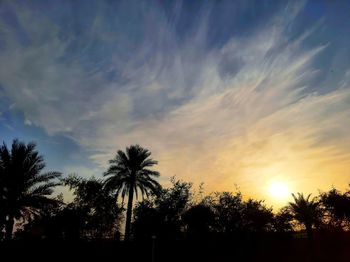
pixel 244 112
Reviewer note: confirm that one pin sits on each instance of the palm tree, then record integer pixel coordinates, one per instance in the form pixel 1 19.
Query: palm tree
pixel 24 190
pixel 128 173
pixel 306 211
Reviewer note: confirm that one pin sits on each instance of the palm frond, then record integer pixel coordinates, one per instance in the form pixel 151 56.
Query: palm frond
pixel 27 190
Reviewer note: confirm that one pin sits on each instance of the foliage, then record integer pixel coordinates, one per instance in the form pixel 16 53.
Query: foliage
pixel 25 190
pixel 228 209
pixel 256 216
pixel 175 212
pixel 129 173
pixel 200 220
pixel 166 210
pixel 282 221
pixel 306 211
pixel 93 214
pixel 337 208
pixel 147 220
pixel 96 205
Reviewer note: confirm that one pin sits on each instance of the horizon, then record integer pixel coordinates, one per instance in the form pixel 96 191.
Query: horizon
pixel 253 94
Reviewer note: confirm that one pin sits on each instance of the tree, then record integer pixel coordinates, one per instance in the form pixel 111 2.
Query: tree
pixel 172 203
pixel 147 220
pixel 256 216
pixel 199 220
pixel 306 211
pixel 24 189
pixel 228 209
pixel 99 213
pixel 128 173
pixel 93 214
pixel 282 222
pixel 45 224
pixel 337 208
pixel 161 215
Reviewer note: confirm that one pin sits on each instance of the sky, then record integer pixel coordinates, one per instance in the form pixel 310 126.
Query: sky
pixel 233 94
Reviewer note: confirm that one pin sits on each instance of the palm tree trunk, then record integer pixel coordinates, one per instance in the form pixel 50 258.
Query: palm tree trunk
pixel 309 231
pixel 128 214
pixel 9 227
pixel 310 237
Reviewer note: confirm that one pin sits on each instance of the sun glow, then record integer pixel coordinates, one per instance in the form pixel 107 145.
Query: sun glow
pixel 279 190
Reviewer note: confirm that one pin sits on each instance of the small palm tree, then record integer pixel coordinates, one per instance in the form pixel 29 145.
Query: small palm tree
pixel 128 173
pixel 306 211
pixel 24 190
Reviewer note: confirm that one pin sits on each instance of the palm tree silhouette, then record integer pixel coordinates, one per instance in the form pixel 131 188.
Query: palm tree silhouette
pixel 128 173
pixel 306 211
pixel 24 189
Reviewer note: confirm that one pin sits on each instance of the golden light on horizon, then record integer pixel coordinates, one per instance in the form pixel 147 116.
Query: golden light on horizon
pixel 279 190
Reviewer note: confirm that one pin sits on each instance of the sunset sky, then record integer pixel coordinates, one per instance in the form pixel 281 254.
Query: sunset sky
pixel 246 93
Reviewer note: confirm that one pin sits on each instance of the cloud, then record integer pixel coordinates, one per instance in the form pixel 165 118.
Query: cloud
pixel 238 113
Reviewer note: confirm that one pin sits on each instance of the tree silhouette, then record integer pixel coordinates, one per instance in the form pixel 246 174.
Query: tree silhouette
pixel 100 214
pixel 25 191
pixel 161 215
pixel 306 211
pixel 256 216
pixel 337 208
pixel 228 209
pixel 172 203
pixel 147 220
pixel 128 173
pixel 199 220
pixel 282 222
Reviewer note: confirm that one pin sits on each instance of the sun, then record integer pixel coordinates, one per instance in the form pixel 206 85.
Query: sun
pixel 279 190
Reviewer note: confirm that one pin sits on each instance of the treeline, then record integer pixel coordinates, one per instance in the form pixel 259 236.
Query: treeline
pixel 28 210
pixel 174 213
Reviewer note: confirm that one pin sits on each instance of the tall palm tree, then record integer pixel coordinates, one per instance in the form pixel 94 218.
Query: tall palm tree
pixel 306 211
pixel 24 189
pixel 128 173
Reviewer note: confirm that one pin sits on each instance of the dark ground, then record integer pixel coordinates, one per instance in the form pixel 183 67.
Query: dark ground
pixel 240 249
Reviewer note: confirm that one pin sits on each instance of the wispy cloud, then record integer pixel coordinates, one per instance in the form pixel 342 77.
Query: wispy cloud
pixel 241 112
